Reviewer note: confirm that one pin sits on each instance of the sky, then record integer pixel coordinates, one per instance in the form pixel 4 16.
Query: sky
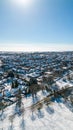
pixel 36 25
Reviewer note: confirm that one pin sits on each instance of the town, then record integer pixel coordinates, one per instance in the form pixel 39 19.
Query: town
pixel 19 71
pixel 41 77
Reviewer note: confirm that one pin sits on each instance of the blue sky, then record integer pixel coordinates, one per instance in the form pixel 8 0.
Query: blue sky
pixel 39 25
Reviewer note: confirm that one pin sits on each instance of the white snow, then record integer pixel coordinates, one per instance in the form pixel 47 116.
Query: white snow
pixel 57 116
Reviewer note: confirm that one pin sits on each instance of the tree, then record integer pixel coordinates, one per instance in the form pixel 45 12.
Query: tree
pixel 10 74
pixel 14 84
pixel 33 87
pixel 48 79
pixel 32 81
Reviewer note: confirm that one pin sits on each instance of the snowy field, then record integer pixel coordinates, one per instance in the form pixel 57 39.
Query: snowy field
pixel 56 116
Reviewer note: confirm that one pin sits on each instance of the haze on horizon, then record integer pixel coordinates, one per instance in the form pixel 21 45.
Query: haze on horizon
pixel 36 25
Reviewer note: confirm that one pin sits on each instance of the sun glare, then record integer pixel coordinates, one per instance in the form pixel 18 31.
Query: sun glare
pixel 23 3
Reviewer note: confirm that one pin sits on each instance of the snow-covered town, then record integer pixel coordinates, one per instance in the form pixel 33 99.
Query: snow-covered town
pixel 36 91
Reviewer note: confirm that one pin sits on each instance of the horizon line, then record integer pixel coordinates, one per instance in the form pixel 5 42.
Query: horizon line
pixel 35 47
pixel 11 51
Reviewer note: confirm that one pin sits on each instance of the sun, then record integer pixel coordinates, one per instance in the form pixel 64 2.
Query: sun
pixel 23 3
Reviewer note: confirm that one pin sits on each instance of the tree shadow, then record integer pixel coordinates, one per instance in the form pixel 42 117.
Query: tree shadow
pixel 50 110
pixel 2 115
pixel 40 113
pixel 11 118
pixel 68 104
pixel 33 117
pixel 44 92
pixel 22 124
pixel 19 108
pixel 11 127
pixel 56 99
pixel 35 99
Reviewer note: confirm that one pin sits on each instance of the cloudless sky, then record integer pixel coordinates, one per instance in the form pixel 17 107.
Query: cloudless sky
pixel 37 25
